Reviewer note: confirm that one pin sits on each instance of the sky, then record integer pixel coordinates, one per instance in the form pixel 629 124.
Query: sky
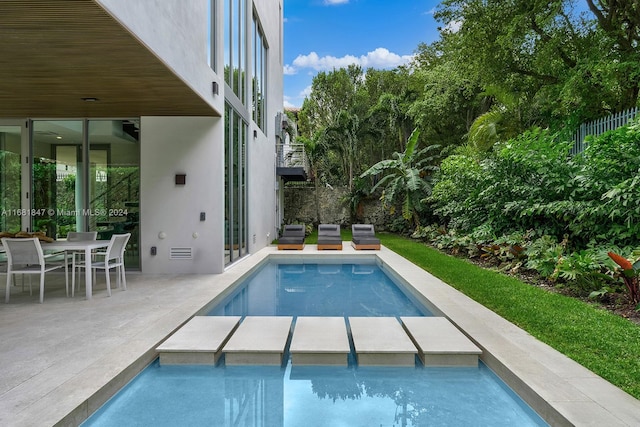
pixel 320 35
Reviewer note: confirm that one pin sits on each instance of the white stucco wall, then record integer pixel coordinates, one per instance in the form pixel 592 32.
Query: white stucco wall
pixel 193 146
pixel 176 31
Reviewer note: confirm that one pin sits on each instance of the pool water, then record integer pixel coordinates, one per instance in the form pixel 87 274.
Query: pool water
pixel 314 396
pixel 289 396
pixel 319 290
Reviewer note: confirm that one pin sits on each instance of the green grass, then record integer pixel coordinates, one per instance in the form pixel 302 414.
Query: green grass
pixel 600 341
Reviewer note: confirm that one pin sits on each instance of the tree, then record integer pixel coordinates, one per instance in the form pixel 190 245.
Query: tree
pixel 562 62
pixel 331 115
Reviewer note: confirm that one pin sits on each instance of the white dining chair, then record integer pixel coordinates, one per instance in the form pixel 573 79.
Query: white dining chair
pixel 25 256
pixel 113 258
pixel 77 236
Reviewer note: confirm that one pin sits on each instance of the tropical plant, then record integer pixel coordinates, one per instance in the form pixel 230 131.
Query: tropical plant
pixel 406 179
pixel 629 275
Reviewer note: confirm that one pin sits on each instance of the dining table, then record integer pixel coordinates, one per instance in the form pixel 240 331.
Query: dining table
pixel 88 246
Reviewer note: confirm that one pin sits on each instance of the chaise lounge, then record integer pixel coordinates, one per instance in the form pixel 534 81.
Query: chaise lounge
pixel 364 237
pixel 329 237
pixel 292 237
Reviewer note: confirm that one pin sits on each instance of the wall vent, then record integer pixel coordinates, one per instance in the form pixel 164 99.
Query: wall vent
pixel 181 253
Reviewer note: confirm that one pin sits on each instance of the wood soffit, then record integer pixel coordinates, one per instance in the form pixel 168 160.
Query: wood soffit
pixel 53 53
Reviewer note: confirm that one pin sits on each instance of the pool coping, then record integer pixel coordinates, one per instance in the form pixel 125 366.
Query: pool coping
pixel 563 392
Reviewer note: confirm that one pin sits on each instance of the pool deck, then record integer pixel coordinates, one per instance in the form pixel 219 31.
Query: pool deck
pixel 61 359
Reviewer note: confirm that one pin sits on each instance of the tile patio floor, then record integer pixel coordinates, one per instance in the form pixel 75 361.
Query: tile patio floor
pixel 60 360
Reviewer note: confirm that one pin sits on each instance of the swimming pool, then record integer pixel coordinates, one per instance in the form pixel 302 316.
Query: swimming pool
pixel 312 289
pixel 286 396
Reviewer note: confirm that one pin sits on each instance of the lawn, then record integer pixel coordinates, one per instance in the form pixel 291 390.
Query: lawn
pixel 600 341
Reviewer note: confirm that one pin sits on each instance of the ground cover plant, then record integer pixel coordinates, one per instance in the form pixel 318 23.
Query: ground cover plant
pixel 602 342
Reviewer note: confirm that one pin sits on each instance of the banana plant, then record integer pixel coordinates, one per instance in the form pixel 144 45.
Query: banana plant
pixel 405 178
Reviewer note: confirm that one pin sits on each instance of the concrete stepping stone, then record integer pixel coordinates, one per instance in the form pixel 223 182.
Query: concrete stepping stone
pixel 198 342
pixel 440 343
pixel 320 341
pixel 381 341
pixel 259 340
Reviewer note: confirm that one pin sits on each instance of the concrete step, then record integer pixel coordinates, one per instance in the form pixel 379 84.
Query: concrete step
pixel 262 340
pixel 381 341
pixel 198 342
pixel 440 343
pixel 259 340
pixel 320 341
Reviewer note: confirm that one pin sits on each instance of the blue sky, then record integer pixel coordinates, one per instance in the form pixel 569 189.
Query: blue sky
pixel 320 35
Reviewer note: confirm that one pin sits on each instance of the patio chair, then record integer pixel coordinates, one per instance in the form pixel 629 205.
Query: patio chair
pixel 364 237
pixel 329 237
pixel 78 236
pixel 25 256
pixel 292 237
pixel 113 258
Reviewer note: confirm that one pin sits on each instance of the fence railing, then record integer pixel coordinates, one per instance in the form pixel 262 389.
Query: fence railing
pixel 291 156
pixel 600 126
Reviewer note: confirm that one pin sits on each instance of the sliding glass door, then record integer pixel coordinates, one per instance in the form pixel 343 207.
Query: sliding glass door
pixel 11 182
pixel 113 183
pixel 85 177
pixel 56 196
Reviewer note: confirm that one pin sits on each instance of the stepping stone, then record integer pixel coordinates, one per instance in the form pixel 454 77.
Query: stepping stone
pixel 440 343
pixel 198 342
pixel 320 341
pixel 259 340
pixel 381 341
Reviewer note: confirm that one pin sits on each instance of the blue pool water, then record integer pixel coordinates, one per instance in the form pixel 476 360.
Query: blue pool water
pixel 316 396
pixel 319 290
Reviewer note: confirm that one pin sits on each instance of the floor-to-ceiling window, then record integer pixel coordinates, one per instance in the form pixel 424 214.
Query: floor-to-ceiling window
pixel 56 177
pixel 235 186
pixel 85 177
pixel 237 117
pixel 10 178
pixel 113 183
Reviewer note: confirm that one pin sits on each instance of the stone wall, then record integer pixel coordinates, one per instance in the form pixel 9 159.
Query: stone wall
pixel 333 207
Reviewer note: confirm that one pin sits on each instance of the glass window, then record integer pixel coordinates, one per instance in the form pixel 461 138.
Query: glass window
pixel 10 178
pixel 259 73
pixel 86 177
pixel 57 180
pixel 114 181
pixel 211 35
pixel 235 47
pixel 236 231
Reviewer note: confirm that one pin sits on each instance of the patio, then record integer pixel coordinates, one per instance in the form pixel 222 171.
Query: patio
pixel 67 356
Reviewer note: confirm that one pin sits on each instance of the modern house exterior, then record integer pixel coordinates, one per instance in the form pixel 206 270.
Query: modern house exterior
pixel 155 117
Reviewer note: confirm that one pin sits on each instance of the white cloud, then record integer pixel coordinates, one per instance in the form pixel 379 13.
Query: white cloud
pixel 379 58
pixel 289 70
pixel 332 2
pixel 287 104
pixel 305 92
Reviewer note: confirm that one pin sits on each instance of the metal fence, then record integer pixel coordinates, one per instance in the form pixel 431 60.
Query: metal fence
pixel 600 126
pixel 292 155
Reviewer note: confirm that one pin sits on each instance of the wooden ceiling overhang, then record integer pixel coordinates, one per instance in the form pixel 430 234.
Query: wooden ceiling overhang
pixel 54 54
